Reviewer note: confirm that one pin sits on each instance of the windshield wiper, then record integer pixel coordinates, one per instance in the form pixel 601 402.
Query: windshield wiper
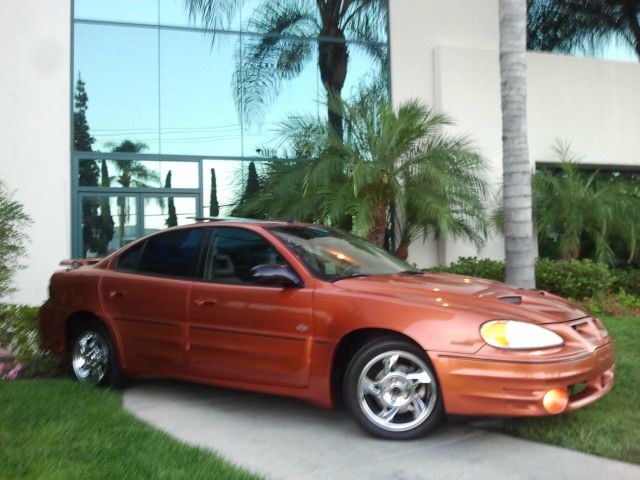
pixel 351 275
pixel 411 272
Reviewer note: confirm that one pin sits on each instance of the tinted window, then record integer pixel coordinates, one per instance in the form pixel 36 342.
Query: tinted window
pixel 128 261
pixel 233 252
pixel 172 253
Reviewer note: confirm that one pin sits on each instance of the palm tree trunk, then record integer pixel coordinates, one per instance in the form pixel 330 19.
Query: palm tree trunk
pixel 518 225
pixel 379 226
pixel 332 63
pixel 632 18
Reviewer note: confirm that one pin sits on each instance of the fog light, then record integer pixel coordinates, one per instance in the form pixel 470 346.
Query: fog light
pixel 555 400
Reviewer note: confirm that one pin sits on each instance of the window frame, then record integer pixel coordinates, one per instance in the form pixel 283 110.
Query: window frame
pixel 194 268
pixel 209 243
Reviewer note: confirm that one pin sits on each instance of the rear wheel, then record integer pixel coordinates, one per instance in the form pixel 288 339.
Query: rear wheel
pixel 391 390
pixel 93 356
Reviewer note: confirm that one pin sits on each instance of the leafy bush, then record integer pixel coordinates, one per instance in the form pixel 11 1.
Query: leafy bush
pixel 567 278
pixel 22 354
pixel 13 220
pixel 627 280
pixel 475 267
pixel 619 304
pixel 573 278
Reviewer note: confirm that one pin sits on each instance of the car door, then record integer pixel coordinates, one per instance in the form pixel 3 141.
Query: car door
pixel 242 331
pixel 146 295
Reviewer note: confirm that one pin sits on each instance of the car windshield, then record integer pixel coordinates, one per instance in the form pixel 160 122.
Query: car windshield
pixel 333 255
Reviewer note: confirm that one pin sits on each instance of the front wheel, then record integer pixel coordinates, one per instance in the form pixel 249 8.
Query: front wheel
pixel 391 390
pixel 93 356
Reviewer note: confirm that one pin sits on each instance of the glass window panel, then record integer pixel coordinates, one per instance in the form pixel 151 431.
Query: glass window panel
pixel 108 222
pixel 363 68
pixel 163 211
pixel 137 174
pixel 229 184
pixel 172 253
pixel 128 261
pixel 233 252
pixel 119 66
pixel 136 11
pixel 198 112
pixel 301 95
pixel 175 13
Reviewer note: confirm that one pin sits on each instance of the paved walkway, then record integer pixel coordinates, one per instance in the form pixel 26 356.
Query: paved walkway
pixel 289 439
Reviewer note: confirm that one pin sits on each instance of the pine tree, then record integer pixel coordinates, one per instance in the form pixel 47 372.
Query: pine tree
pixel 251 190
pixel 88 171
pixel 214 207
pixel 172 219
pixel 253 183
pixel 106 223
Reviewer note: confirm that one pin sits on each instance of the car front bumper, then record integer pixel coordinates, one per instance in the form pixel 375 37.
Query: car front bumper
pixel 477 386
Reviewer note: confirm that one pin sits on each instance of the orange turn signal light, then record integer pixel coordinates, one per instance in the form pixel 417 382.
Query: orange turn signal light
pixel 555 400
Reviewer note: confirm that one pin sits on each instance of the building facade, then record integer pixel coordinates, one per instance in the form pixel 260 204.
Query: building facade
pixel 116 114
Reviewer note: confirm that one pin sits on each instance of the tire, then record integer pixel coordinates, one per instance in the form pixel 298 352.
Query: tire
pixel 391 390
pixel 94 359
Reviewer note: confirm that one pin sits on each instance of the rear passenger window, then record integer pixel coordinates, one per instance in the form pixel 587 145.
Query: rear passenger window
pixel 173 254
pixel 128 261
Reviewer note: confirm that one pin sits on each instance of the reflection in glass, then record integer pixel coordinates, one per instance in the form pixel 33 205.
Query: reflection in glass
pixel 228 176
pixel 163 212
pixel 119 68
pixel 198 112
pixel 140 173
pixel 137 11
pixel 107 224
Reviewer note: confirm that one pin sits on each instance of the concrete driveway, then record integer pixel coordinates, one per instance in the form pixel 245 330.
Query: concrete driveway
pixel 289 439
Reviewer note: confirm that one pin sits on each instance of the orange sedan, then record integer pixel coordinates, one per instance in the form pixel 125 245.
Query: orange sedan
pixel 311 312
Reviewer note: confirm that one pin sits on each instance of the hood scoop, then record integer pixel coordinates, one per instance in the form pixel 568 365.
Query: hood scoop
pixel 512 299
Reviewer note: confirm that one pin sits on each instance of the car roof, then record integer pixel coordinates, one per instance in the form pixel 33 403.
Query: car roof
pixel 241 222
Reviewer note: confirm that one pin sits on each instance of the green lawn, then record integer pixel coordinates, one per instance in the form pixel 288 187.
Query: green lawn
pixel 611 426
pixel 59 429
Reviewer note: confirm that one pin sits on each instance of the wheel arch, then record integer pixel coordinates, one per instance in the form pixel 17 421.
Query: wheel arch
pixel 78 318
pixel 347 347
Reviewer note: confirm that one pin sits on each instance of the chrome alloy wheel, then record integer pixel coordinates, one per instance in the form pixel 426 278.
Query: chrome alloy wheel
pixel 396 391
pixel 90 358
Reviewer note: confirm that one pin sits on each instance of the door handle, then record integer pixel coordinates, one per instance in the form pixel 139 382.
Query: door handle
pixel 116 294
pixel 204 302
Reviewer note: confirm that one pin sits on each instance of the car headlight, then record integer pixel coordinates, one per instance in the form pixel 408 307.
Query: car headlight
pixel 515 334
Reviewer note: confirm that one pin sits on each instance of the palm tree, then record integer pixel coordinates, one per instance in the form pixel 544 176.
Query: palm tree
pixel 569 25
pixel 280 53
pixel 130 173
pixel 518 223
pixel 387 158
pixel 575 211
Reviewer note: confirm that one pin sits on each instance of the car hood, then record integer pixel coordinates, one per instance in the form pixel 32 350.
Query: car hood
pixel 493 299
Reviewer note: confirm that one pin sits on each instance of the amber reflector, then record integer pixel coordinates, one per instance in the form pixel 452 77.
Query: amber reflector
pixel 555 400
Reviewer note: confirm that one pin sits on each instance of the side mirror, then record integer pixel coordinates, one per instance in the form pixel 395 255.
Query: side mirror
pixel 276 276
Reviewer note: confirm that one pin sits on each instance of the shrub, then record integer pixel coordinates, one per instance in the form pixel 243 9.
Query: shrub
pixel 619 304
pixel 13 221
pixel 22 354
pixel 627 280
pixel 567 278
pixel 573 278
pixel 474 267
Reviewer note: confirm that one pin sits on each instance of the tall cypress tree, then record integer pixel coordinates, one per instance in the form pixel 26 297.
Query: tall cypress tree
pixel 214 207
pixel 106 223
pixel 172 219
pixel 251 190
pixel 88 171
pixel 253 183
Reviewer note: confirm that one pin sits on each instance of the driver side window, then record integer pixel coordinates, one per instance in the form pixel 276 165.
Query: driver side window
pixel 233 252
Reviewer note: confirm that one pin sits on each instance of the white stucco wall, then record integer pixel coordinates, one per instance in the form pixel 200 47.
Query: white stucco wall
pixel 446 53
pixel 34 125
